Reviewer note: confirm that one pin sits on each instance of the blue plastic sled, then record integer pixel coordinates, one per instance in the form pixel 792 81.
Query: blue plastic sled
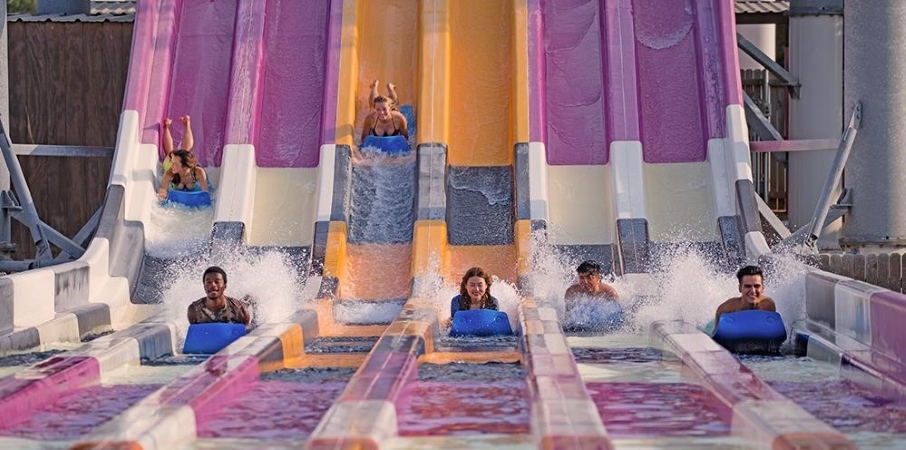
pixel 387 144
pixel 195 199
pixel 480 322
pixel 751 331
pixel 210 338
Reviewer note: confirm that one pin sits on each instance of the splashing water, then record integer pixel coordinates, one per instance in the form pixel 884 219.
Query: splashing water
pixel 269 278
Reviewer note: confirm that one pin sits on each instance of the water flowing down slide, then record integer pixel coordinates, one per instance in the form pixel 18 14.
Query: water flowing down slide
pixel 600 129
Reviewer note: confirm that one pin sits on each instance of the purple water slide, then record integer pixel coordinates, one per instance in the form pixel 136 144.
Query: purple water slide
pixel 295 68
pixel 613 70
pixel 180 65
pixel 200 81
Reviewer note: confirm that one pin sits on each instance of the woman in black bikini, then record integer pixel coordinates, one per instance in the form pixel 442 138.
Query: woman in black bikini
pixel 384 121
pixel 184 175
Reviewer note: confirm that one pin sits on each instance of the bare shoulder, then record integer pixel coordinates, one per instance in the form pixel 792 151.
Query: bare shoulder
pixel 572 291
pixel 769 304
pixel 727 304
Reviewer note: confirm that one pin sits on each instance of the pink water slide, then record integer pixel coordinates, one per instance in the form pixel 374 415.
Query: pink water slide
pixel 660 72
pixel 242 79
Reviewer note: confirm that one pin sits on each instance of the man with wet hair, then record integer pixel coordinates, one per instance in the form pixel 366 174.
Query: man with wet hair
pixel 216 307
pixel 589 286
pixel 751 288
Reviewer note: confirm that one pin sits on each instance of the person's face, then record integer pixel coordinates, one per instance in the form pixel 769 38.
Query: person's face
pixel 383 110
pixel 589 280
pixel 476 287
pixel 214 285
pixel 751 287
pixel 176 165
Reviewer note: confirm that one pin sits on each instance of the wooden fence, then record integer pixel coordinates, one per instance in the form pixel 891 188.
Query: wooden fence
pixel 768 170
pixel 66 83
pixel 885 270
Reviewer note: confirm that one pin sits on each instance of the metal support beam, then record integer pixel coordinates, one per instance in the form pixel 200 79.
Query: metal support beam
pixel 833 178
pixel 758 122
pixel 835 212
pixel 29 213
pixel 755 53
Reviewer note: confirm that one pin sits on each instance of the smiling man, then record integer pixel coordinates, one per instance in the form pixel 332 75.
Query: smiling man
pixel 751 288
pixel 589 286
pixel 215 306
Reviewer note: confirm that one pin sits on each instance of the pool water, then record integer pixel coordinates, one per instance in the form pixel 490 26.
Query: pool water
pixel 640 395
pixel 870 418
pixel 76 414
pixel 283 405
pixel 465 399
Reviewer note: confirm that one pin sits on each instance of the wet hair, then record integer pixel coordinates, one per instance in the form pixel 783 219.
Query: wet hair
pixel 464 300
pixel 214 269
pixel 749 270
pixel 382 99
pixel 187 159
pixel 590 267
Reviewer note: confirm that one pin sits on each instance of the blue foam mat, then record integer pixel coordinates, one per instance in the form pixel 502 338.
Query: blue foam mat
pixel 480 322
pixel 209 338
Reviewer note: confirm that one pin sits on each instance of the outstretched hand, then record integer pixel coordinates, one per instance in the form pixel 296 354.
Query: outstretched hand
pixel 167 122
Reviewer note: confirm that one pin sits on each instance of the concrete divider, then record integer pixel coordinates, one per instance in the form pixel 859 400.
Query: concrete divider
pixel 69 326
pixel 37 386
pixel 365 415
pixel 563 414
pixel 760 414
pixel 170 417
pixel 861 322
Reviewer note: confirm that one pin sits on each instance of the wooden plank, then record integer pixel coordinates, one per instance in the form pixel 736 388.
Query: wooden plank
pixel 847 268
pixel 871 269
pixel 883 270
pixel 896 272
pixel 18 83
pixel 859 267
pixel 74 62
pixel 836 263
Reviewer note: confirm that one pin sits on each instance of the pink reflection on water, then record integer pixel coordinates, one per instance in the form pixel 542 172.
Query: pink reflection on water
pixel 847 406
pixel 273 410
pixel 461 408
pixel 659 410
pixel 78 413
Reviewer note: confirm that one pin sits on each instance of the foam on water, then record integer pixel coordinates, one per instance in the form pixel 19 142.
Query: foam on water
pixel 175 230
pixel 685 284
pixel 267 277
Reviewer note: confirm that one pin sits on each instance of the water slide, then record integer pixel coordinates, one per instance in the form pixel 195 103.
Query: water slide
pixel 600 129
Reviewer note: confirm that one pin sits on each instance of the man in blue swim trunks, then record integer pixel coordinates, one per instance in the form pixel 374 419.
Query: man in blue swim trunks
pixel 216 307
pixel 751 288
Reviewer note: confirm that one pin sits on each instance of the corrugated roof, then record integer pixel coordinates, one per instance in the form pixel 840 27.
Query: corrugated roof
pixel 762 6
pixel 115 7
pixel 71 18
pixel 101 11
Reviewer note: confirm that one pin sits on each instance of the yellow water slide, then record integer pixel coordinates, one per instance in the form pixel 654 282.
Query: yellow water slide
pixel 378 43
pixel 473 96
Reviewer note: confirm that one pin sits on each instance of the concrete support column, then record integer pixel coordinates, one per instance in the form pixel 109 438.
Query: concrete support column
pixel 875 74
pixel 816 58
